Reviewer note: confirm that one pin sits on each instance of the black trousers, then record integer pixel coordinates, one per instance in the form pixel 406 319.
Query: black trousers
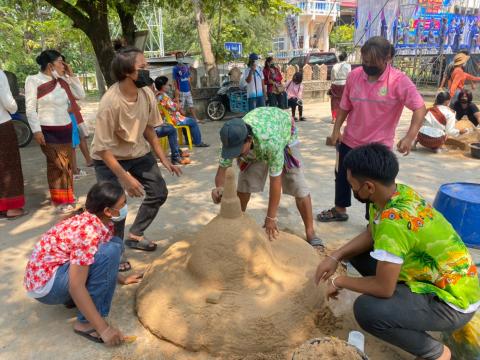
pixel 404 319
pixel 293 104
pixel 343 191
pixel 146 171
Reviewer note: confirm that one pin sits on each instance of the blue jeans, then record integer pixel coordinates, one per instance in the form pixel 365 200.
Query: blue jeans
pixel 255 102
pixel 194 129
pixel 171 132
pixel 101 281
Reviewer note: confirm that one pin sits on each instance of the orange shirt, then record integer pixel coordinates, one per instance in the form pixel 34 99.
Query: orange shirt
pixel 458 78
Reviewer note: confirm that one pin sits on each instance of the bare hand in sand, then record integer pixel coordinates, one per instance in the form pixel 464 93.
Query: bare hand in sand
pixel 331 292
pixel 217 194
pixel 325 269
pixel 112 336
pixel 271 228
pixel 130 279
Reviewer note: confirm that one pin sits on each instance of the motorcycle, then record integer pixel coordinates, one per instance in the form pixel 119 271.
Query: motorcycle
pixel 229 98
pixel 22 129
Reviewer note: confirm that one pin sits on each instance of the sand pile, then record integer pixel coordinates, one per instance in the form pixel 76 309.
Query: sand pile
pixel 462 142
pixel 229 290
pixel 328 348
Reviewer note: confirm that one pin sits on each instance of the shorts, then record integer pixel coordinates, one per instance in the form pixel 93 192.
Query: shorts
pixel 186 99
pixel 254 177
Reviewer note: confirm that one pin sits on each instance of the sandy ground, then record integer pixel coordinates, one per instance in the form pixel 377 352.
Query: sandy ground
pixel 30 330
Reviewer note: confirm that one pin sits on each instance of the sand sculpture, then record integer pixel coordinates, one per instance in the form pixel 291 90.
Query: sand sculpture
pixel 328 348
pixel 229 290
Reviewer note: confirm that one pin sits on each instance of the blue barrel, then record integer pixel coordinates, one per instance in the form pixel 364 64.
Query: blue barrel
pixel 460 204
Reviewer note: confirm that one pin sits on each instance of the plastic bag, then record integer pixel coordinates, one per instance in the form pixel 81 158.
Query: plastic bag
pixel 465 342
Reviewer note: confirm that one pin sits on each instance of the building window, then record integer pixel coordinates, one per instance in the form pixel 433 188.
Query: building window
pixel 279 44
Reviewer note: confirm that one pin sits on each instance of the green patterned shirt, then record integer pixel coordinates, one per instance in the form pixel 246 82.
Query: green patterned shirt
pixel 434 259
pixel 272 132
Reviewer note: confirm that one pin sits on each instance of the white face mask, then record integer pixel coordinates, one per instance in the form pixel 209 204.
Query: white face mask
pixel 55 74
pixel 122 214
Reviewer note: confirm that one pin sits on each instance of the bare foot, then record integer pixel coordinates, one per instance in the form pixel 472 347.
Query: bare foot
pixel 14 212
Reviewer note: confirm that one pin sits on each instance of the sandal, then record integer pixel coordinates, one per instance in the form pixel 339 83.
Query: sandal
pixel 201 145
pixel 331 215
pixel 143 244
pixel 124 264
pixel 316 242
pixel 303 118
pixel 88 335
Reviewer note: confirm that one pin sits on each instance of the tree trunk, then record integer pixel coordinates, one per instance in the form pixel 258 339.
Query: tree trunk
pixel 100 79
pixel 92 18
pixel 203 29
pixel 128 24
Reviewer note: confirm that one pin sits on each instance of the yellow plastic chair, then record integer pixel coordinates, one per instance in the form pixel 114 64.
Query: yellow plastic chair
pixel 164 142
pixel 166 115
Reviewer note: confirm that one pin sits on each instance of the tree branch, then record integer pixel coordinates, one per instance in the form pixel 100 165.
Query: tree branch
pixel 79 19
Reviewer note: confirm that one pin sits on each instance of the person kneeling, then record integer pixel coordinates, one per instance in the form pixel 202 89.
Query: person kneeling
pixel 439 123
pixel 418 275
pixel 78 260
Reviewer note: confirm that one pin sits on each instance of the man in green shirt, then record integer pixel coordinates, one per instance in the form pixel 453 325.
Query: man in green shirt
pixel 265 142
pixel 418 276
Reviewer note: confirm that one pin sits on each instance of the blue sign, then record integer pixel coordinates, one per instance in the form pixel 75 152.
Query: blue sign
pixel 235 48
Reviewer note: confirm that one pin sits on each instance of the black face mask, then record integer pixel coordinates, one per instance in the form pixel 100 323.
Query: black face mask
pixel 357 196
pixel 143 78
pixel 371 70
pixel 272 65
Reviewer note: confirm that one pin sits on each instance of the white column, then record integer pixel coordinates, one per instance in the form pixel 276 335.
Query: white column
pixel 326 43
pixel 306 37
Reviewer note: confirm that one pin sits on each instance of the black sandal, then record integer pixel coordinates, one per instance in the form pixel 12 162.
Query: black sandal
pixel 88 335
pixel 143 244
pixel 201 145
pixel 316 242
pixel 331 215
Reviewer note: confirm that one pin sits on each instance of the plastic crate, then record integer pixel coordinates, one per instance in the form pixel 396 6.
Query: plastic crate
pixel 238 102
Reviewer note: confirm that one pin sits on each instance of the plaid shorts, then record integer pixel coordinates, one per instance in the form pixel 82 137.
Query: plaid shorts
pixel 186 99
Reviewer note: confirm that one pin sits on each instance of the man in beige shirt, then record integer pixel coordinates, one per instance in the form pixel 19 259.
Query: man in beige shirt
pixel 123 143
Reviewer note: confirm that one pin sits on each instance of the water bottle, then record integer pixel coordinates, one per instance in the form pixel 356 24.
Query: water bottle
pixel 357 339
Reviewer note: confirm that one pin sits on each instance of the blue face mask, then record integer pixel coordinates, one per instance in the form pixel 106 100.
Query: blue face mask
pixel 122 214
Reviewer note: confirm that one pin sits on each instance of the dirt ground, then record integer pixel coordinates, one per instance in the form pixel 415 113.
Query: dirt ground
pixel 30 330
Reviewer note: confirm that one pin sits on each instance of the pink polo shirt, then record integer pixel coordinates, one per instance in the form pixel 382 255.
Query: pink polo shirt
pixel 375 108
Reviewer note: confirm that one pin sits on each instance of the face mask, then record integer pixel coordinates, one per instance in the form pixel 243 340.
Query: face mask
pixel 357 196
pixel 143 78
pixel 122 214
pixel 371 70
pixel 181 60
pixel 257 63
pixel 272 65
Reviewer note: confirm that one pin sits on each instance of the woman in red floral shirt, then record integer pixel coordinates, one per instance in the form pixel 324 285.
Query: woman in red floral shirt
pixel 78 260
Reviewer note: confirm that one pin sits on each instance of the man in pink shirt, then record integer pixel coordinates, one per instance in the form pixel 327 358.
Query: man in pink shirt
pixel 372 103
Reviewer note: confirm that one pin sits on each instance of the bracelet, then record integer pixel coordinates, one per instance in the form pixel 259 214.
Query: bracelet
pixel 333 258
pixel 270 218
pixel 332 281
pixel 104 331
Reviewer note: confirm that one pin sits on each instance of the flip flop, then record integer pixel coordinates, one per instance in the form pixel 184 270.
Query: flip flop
pixel 88 335
pixel 331 215
pixel 124 261
pixel 25 212
pixel 316 242
pixel 143 244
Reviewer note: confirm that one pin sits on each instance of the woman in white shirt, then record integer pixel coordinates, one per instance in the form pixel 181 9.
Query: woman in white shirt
pixel 49 96
pixel 439 123
pixel 338 77
pixel 12 199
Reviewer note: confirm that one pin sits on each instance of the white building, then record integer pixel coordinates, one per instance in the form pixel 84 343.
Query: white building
pixel 309 29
